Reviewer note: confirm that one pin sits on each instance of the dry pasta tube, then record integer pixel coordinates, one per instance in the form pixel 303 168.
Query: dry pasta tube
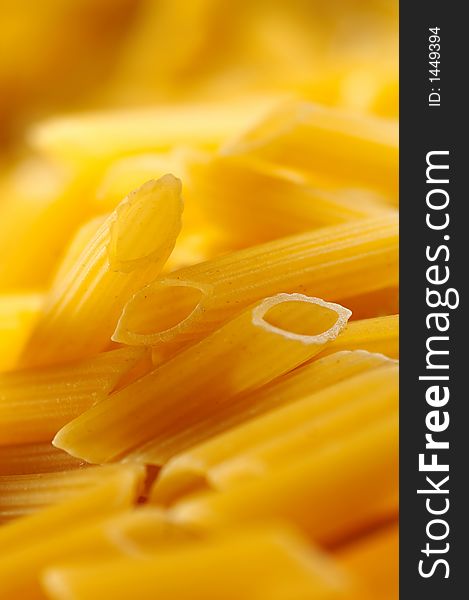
pixel 39 457
pixel 332 495
pixel 18 314
pixel 22 495
pixel 196 240
pixel 309 437
pixel 260 344
pixel 35 403
pixel 348 148
pixel 129 533
pixel 113 134
pixel 284 434
pixel 329 262
pixel 117 491
pixel 380 334
pixel 128 251
pixel 295 385
pixel 270 563
pixel 253 203
pixel 373 562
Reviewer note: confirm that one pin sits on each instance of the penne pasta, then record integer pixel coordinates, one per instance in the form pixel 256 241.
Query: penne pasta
pixel 89 523
pixel 332 143
pixel 22 495
pixel 113 134
pixel 128 533
pixel 310 421
pixel 373 562
pixel 18 314
pixel 251 202
pixel 331 495
pixel 35 403
pixel 260 344
pixel 380 334
pixel 270 563
pixel 196 240
pixel 39 457
pixel 199 300
pixel 299 383
pixel 273 452
pixel 129 250
pixel 329 262
pixel 119 490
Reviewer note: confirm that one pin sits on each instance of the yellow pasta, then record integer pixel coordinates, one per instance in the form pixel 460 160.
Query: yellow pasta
pixel 199 300
pixel 128 533
pixel 261 343
pixel 119 490
pixel 252 203
pixel 35 403
pixel 311 420
pixel 18 314
pixel 268 454
pixel 64 530
pixel 336 493
pixel 373 562
pixel 380 334
pixel 273 563
pixel 197 239
pixel 297 384
pixel 129 250
pixel 39 457
pixel 329 262
pixel 22 495
pixel 345 147
pixel 113 134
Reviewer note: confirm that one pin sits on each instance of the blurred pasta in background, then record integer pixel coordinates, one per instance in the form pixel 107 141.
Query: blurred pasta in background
pixel 199 299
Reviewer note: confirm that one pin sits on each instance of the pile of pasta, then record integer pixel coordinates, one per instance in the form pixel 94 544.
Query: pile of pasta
pixel 115 53
pixel 198 346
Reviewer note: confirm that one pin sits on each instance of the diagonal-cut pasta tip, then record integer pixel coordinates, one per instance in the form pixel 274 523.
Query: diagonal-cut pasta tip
pixel 318 327
pixel 126 253
pixel 259 344
pixel 147 209
pixel 186 299
pixel 190 303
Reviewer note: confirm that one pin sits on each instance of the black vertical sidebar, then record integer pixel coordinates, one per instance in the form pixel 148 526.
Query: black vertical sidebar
pixel 436 124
